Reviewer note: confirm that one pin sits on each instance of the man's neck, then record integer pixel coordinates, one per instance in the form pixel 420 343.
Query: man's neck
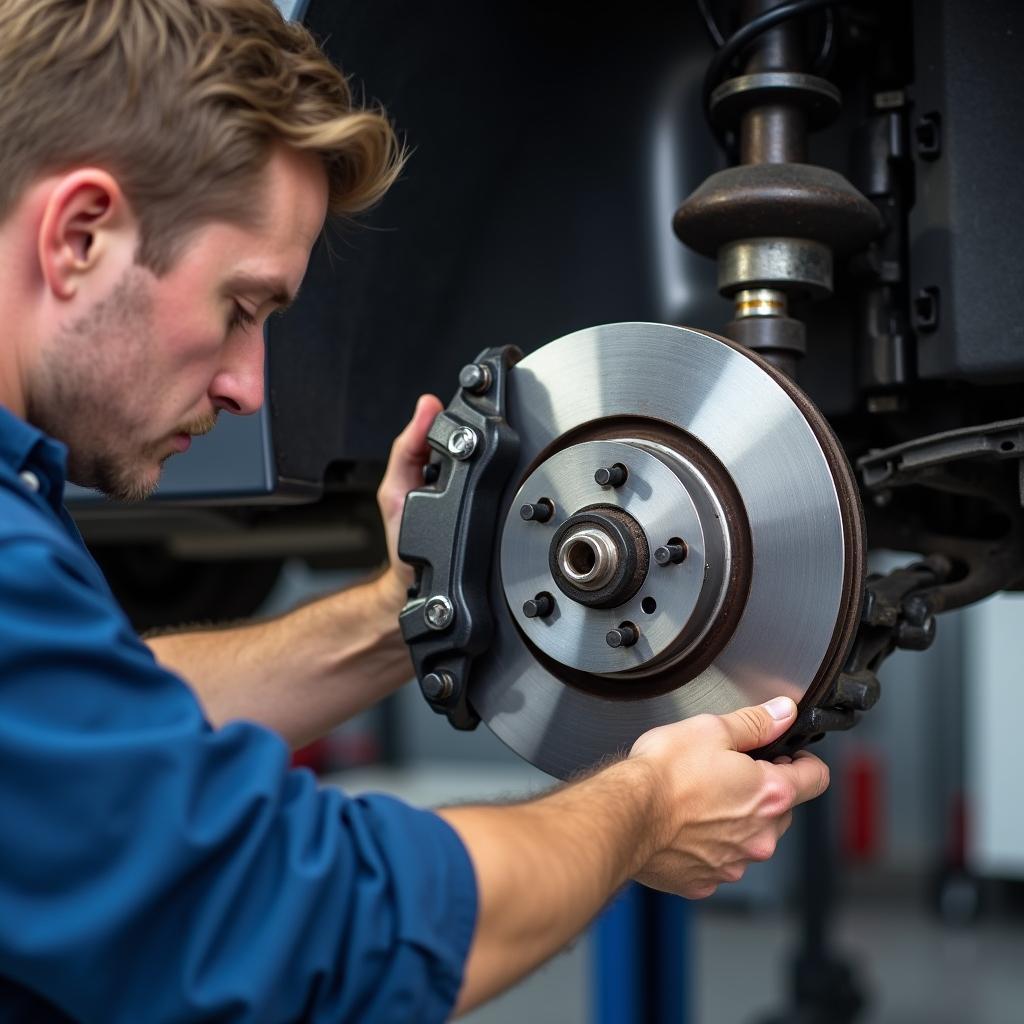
pixel 10 399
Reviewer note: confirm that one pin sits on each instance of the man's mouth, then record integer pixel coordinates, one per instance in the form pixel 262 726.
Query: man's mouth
pixel 181 440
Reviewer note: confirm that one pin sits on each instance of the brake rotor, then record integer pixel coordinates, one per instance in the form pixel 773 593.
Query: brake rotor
pixel 682 534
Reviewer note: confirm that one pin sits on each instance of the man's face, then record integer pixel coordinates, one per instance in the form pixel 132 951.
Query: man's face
pixel 150 364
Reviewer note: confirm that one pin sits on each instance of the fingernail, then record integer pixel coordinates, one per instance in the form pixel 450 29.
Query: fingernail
pixel 779 708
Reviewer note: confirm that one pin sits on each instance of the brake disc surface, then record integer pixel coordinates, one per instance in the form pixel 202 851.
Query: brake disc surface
pixel 724 569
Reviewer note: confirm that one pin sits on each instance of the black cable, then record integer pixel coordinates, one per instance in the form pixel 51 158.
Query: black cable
pixel 824 59
pixel 825 52
pixel 744 36
pixel 717 39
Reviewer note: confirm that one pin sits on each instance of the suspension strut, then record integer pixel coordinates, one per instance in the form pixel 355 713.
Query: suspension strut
pixel 774 222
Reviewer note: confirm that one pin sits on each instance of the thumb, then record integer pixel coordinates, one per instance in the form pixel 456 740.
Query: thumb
pixel 750 728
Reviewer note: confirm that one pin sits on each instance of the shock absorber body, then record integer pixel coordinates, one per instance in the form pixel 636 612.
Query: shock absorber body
pixel 774 222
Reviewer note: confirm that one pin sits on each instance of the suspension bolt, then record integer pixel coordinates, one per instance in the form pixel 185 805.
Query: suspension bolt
pixel 462 443
pixel 540 607
pixel 612 476
pixel 437 685
pixel 475 378
pixel 671 553
pixel 438 612
pixel 539 512
pixel 625 636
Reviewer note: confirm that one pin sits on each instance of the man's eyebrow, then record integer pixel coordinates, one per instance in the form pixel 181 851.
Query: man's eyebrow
pixel 272 288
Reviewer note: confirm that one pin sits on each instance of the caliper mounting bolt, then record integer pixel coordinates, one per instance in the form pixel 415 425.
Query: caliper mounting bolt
pixel 437 685
pixel 462 443
pixel 612 476
pixel 475 378
pixel 539 607
pixel 539 512
pixel 438 612
pixel 625 636
pixel 671 553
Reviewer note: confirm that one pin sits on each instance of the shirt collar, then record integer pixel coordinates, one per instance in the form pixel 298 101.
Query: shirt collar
pixel 24 447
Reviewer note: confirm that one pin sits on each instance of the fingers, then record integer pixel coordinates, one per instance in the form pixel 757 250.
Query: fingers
pixel 782 824
pixel 408 453
pixel 750 728
pixel 410 447
pixel 807 774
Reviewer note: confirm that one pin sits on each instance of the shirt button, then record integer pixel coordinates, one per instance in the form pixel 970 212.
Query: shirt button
pixel 30 480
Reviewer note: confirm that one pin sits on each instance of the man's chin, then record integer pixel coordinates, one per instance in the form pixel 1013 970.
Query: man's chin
pixel 134 487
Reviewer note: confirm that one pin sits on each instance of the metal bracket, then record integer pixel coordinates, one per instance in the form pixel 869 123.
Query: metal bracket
pixel 448 535
pixel 907 463
pixel 898 612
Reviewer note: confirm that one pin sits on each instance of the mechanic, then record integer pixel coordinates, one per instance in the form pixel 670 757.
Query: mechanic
pixel 167 166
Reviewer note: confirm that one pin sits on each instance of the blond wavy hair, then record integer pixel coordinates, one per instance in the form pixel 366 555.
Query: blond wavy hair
pixel 182 101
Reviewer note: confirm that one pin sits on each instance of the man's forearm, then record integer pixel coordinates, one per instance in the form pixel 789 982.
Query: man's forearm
pixel 302 673
pixel 545 868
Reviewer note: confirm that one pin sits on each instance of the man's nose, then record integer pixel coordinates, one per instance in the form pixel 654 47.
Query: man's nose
pixel 238 385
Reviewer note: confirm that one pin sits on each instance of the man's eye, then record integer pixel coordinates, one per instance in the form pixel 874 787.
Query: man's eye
pixel 240 317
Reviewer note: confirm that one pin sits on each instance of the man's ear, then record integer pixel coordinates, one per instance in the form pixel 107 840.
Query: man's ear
pixel 87 224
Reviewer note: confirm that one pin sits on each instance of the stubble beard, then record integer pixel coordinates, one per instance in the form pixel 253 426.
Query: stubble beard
pixel 92 393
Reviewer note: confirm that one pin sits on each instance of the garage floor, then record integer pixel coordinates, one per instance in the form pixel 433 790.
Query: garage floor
pixel 920 972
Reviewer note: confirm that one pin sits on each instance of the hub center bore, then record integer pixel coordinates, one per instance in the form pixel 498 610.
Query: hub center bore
pixel 588 558
pixel 599 557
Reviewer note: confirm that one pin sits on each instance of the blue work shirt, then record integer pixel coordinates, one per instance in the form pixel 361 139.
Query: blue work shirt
pixel 153 868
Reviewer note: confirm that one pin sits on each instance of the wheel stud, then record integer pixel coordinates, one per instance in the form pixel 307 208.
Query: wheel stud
pixel 671 553
pixel 540 607
pixel 612 476
pixel 625 636
pixel 539 512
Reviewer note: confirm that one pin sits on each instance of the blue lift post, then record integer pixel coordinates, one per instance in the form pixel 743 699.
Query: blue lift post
pixel 641 959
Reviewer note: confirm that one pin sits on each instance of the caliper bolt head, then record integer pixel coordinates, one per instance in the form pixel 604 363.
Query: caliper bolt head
pixel 438 612
pixel 437 685
pixel 462 443
pixel 539 512
pixel 475 378
pixel 611 476
pixel 539 607
pixel 625 636
pixel 670 554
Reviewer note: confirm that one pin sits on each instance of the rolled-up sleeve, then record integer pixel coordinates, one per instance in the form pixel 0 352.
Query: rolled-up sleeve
pixel 155 869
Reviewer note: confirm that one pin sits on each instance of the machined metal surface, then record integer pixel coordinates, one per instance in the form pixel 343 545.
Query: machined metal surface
pixel 655 494
pixel 796 265
pixel 760 302
pixel 793 621
pixel 588 558
pixel 817 97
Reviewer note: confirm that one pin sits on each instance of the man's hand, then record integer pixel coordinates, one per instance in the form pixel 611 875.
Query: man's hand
pixel 720 808
pixel 686 810
pixel 404 472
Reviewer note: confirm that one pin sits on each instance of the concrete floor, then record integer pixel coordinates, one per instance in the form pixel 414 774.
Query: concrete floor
pixel 917 971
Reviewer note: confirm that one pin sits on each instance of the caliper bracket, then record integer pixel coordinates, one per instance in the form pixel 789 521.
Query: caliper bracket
pixel 448 534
